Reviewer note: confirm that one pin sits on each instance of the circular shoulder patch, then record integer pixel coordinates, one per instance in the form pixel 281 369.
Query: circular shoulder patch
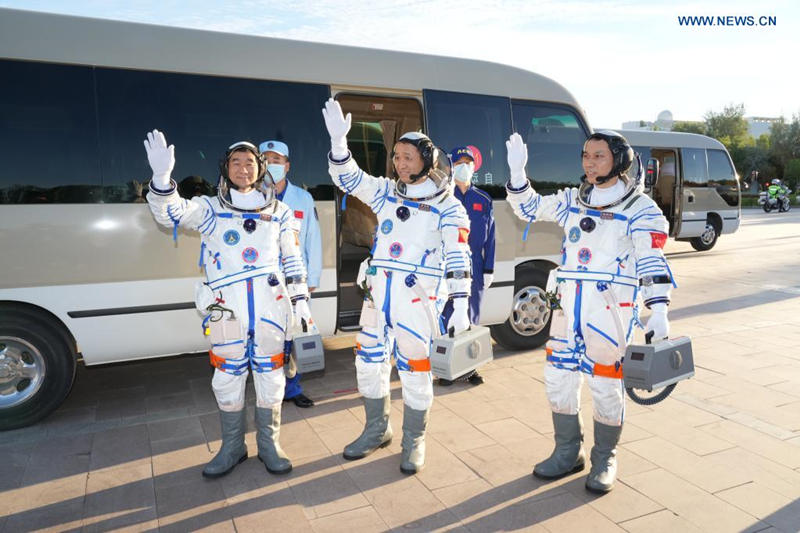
pixel 231 237
pixel 584 255
pixel 387 226
pixel 396 250
pixel 250 255
pixel 574 234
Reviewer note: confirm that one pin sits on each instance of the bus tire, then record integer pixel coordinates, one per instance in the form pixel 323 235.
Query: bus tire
pixel 37 368
pixel 707 240
pixel 528 326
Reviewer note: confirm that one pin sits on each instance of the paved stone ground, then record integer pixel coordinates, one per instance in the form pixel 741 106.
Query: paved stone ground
pixel 721 454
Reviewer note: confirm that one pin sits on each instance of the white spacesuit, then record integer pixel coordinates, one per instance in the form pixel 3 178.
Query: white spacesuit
pixel 612 254
pixel 421 241
pixel 254 270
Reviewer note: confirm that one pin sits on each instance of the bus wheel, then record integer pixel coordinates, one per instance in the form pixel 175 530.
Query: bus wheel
pixel 707 240
pixel 528 326
pixel 37 368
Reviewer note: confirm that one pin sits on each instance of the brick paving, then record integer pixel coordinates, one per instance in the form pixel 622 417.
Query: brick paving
pixel 126 450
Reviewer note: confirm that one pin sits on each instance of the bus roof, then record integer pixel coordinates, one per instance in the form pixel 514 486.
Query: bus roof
pixel 68 39
pixel 670 139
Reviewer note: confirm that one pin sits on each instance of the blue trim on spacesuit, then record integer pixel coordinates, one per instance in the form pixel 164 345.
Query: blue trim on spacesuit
pixel 417 335
pixel 268 321
pixel 387 301
pixel 596 213
pixel 605 335
pixel 240 341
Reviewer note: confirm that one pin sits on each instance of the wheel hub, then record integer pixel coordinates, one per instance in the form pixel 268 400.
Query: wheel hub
pixel 708 234
pixel 530 312
pixel 22 371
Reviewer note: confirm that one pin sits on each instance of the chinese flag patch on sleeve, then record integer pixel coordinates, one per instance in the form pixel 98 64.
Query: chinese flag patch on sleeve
pixel 298 214
pixel 658 240
pixel 463 235
pixel 477 207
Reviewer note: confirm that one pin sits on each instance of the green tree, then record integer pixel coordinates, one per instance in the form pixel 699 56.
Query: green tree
pixel 729 127
pixel 687 126
pixel 791 173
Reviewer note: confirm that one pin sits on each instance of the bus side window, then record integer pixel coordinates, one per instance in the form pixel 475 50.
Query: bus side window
pixel 458 119
pixel 48 133
pixel 201 115
pixel 695 168
pixel 554 135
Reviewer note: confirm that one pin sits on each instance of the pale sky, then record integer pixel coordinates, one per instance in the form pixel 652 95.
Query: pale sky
pixel 622 60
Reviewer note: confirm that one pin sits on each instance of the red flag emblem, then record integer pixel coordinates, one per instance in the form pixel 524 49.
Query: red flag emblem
pixel 298 214
pixel 658 240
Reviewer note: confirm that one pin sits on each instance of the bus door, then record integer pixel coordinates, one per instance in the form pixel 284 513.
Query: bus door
pixel 378 121
pixel 666 193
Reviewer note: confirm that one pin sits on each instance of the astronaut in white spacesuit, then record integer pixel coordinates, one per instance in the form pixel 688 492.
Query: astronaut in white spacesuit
pixel 421 241
pixel 255 287
pixel 612 253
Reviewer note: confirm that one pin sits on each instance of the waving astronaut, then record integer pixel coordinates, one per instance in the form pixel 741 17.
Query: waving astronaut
pixel 253 270
pixel 612 253
pixel 421 241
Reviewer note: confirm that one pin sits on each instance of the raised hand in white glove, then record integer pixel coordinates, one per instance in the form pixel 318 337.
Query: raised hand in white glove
pixel 302 312
pixel 338 125
pixel 161 158
pixel 658 322
pixel 487 280
pixel 459 320
pixel 517 159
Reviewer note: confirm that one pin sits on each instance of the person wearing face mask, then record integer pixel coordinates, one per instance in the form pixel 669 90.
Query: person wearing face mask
pixel 481 241
pixel 301 203
pixel 255 288
pixel 612 253
pixel 420 256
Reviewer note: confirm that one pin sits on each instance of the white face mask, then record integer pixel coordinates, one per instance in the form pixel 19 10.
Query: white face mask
pixel 463 172
pixel 278 172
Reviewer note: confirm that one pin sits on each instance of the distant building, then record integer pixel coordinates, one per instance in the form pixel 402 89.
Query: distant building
pixel 757 126
pixel 663 122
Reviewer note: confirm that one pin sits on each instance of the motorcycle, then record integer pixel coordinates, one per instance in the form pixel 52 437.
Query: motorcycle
pixel 779 201
pixel 775 197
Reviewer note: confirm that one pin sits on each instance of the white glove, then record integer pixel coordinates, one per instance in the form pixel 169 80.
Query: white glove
pixel 459 320
pixel 517 159
pixel 161 158
pixel 338 125
pixel 302 312
pixel 487 280
pixel 658 322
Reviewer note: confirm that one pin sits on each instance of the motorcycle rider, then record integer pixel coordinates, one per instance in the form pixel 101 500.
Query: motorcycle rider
pixel 249 249
pixel 612 252
pixel 778 195
pixel 421 228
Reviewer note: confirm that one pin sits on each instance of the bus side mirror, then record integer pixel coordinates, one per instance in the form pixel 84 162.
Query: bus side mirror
pixel 651 174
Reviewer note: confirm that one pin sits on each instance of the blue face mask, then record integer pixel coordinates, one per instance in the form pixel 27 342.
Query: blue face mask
pixel 277 172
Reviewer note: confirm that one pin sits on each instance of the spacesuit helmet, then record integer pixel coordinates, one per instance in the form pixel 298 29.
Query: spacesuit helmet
pixel 264 182
pixel 626 164
pixel 621 151
pixel 436 164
